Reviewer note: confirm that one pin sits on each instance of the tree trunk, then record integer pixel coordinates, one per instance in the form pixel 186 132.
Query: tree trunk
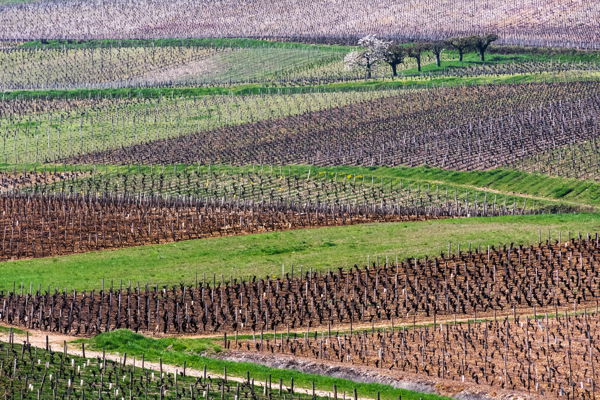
pixel 419 63
pixel 438 59
pixel 460 54
pixel 482 54
pixel 368 72
pixel 394 69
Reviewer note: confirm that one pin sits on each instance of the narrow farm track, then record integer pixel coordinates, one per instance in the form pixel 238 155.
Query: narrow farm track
pixel 415 323
pixel 590 207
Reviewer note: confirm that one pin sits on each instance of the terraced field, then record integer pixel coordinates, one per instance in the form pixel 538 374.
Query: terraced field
pixel 292 201
pixel 477 128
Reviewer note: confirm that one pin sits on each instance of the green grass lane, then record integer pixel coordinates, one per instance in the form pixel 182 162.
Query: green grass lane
pixel 16 331
pixel 234 43
pixel 264 254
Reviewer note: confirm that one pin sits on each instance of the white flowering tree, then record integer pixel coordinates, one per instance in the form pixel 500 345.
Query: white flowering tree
pixel 372 52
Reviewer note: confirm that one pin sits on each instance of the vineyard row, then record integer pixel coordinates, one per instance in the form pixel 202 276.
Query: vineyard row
pixel 551 275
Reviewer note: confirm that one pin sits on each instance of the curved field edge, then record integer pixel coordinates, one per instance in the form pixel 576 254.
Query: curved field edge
pixel 177 351
pixel 421 82
pixel 506 181
pixel 274 253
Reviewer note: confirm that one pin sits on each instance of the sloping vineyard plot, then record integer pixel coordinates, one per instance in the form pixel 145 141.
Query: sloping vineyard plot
pixel 137 66
pixel 555 357
pixel 459 128
pixel 570 23
pixel 12 182
pixel 101 67
pixel 519 68
pixel 480 282
pixel 42 130
pixel 38 226
pixel 273 185
pixel 31 373
pixel 581 161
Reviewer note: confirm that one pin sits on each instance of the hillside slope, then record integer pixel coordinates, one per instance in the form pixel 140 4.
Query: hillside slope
pixel 572 23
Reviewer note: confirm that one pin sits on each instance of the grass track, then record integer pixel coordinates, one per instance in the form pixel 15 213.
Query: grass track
pixel 243 43
pixel 264 254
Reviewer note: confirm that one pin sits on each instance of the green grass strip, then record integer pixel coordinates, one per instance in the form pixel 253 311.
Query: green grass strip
pixel 16 331
pixel 256 89
pixel 264 254
pixel 175 351
pixel 234 43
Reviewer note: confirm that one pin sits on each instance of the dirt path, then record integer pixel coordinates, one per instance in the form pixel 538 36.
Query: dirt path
pixel 354 373
pixel 56 342
pixel 405 323
pixel 361 374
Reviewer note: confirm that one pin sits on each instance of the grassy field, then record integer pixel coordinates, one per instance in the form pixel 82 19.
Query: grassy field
pixel 267 254
pixel 4 329
pixel 177 351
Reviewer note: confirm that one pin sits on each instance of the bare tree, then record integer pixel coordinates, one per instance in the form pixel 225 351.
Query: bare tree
pixel 371 54
pixel 416 51
pixel 481 43
pixel 461 44
pixel 437 48
pixel 394 54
